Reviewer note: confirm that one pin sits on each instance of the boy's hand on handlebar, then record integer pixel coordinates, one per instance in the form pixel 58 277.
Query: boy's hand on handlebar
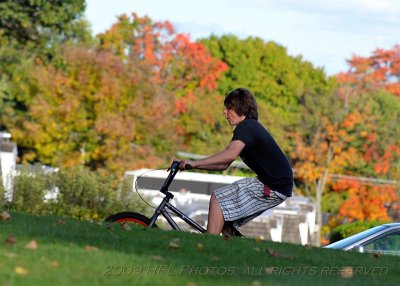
pixel 186 165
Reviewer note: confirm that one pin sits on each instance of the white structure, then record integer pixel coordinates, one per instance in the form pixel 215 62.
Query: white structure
pixel 8 158
pixel 200 183
pixel 292 221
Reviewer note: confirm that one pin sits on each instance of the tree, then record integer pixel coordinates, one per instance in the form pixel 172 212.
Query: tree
pixel 319 153
pixel 356 136
pixel 97 110
pixel 373 127
pixel 121 105
pixel 366 202
pixel 32 30
pixel 277 80
pixel 375 137
pixel 40 24
pixel 182 67
pixel 379 71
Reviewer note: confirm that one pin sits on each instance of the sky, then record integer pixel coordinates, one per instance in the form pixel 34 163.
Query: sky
pixel 324 32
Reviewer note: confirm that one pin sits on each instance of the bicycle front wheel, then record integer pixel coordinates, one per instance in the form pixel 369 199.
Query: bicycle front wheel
pixel 130 218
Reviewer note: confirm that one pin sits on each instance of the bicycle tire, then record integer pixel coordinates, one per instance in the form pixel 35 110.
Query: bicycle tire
pixel 130 217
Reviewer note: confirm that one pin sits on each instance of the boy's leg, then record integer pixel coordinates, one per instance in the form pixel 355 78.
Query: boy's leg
pixel 227 229
pixel 215 217
pixel 230 230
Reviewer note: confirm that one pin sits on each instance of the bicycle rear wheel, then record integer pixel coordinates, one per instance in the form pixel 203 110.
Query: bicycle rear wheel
pixel 130 218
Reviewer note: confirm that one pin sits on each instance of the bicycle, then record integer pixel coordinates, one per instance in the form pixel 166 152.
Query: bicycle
pixel 163 209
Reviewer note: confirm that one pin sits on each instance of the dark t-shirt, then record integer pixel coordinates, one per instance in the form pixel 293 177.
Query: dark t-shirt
pixel 263 155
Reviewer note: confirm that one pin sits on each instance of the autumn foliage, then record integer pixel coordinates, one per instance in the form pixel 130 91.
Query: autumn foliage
pixel 139 92
pixel 179 65
pixel 359 138
pixel 379 71
pixel 97 112
pixel 130 102
pixel 365 201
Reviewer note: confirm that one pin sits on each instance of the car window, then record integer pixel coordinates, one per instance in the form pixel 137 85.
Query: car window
pixel 387 244
pixel 341 244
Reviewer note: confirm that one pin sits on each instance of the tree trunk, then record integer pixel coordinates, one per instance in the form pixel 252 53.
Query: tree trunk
pixel 320 186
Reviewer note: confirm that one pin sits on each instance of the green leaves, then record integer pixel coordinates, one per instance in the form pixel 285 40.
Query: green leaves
pixel 39 23
pixel 278 81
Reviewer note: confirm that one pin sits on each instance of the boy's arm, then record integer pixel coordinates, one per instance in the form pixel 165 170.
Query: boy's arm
pixel 219 161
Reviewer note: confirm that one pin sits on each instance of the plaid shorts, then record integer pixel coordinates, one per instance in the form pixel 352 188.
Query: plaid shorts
pixel 245 199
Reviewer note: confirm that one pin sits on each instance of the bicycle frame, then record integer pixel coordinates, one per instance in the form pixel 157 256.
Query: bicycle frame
pixel 165 205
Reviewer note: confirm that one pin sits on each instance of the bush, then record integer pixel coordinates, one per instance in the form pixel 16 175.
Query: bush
pixel 81 193
pixel 349 229
pixel 93 195
pixel 29 189
pixel 125 199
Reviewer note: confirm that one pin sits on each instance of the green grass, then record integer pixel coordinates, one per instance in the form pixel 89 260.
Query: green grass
pixel 73 252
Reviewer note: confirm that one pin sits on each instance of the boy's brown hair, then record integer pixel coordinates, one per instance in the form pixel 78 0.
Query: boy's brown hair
pixel 243 102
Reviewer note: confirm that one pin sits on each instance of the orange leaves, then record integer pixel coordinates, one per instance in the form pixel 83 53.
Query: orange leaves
pixel 393 88
pixel 325 150
pixel 308 171
pixel 359 139
pixel 352 119
pixel 379 71
pixel 180 67
pixel 32 245
pixel 344 185
pixel 189 66
pixel 382 167
pixel 200 66
pixel 90 248
pixel 386 163
pixel 176 61
pixel 21 270
pixel 366 202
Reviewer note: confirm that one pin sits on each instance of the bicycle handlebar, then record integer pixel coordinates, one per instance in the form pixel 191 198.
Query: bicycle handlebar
pixel 173 171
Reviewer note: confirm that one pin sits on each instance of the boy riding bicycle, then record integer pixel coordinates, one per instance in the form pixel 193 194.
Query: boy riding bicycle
pixel 234 205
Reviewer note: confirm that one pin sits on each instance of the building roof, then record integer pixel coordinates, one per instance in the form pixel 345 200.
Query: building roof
pixel 186 176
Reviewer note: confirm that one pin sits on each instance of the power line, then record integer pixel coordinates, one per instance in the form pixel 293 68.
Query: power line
pixel 338 177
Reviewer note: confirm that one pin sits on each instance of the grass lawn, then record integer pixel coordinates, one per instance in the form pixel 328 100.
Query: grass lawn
pixel 45 250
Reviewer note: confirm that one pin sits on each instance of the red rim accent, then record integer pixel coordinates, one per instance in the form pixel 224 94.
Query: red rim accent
pixel 131 220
